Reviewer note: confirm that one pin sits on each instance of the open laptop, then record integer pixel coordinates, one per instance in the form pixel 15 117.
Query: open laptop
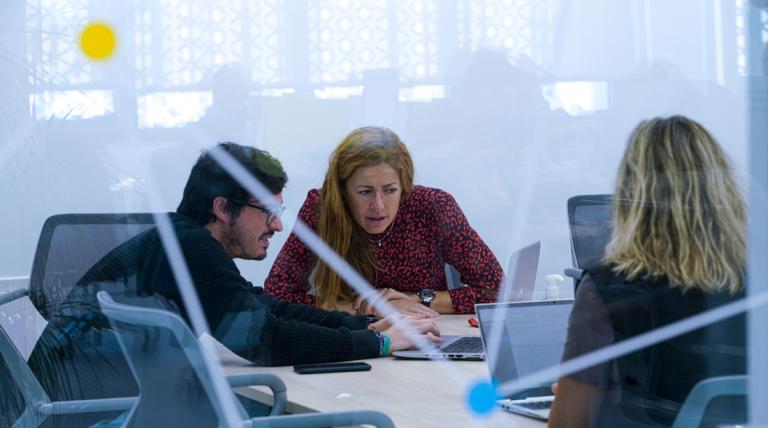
pixel 519 284
pixel 520 339
pixel 520 279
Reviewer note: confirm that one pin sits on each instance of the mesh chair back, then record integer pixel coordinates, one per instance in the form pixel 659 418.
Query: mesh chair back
pixel 69 245
pixel 589 217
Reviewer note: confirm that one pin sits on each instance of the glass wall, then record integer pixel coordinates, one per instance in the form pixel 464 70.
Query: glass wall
pixel 510 106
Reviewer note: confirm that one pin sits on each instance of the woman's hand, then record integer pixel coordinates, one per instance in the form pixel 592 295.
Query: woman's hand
pixel 403 303
pixel 362 306
pixel 398 339
pixel 414 309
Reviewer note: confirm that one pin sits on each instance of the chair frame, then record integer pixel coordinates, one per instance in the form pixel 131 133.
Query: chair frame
pixel 163 319
pixel 37 291
pixel 692 411
pixel 38 404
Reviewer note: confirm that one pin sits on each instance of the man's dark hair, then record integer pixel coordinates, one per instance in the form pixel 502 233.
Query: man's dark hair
pixel 208 180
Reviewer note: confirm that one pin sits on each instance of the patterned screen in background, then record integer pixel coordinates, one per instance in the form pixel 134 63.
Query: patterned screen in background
pixel 175 46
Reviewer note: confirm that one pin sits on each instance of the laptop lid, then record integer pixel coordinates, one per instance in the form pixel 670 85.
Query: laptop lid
pixel 520 278
pixel 521 338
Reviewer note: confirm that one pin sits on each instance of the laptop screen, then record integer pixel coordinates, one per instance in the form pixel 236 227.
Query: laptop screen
pixel 521 338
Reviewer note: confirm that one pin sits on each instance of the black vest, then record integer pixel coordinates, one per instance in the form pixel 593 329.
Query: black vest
pixel 655 381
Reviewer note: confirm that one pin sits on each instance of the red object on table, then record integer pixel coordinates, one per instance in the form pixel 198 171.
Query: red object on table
pixel 472 322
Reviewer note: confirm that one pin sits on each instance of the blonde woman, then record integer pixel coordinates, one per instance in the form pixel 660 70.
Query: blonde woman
pixel 396 234
pixel 678 249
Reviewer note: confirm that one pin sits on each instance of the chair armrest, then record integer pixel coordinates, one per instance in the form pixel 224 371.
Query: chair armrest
pixel 86 406
pixel 573 273
pixel 10 296
pixel 310 420
pixel 695 404
pixel 266 379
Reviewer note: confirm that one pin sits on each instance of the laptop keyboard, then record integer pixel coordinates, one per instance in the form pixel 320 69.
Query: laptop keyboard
pixel 535 405
pixel 465 345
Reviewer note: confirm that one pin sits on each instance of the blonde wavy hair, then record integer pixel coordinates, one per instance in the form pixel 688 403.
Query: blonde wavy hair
pixel 678 212
pixel 363 147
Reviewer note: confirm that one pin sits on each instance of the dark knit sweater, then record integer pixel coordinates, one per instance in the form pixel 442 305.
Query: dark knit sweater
pixel 429 231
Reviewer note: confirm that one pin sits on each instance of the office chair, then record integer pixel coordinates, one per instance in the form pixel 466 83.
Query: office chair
pixel 24 403
pixel 589 218
pixel 68 246
pixel 177 387
pixel 700 408
pixel 657 380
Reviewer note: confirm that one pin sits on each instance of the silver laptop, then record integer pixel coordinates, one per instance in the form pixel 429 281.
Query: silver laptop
pixel 452 348
pixel 520 280
pixel 519 284
pixel 522 338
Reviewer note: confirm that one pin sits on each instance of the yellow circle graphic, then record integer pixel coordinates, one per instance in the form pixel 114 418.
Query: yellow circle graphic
pixel 98 41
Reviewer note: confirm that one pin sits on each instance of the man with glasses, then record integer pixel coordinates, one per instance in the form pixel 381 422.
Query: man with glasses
pixel 216 222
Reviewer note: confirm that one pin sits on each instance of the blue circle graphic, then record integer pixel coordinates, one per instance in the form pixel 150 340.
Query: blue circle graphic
pixel 482 397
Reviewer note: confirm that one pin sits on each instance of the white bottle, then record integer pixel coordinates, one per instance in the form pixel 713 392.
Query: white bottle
pixel 552 291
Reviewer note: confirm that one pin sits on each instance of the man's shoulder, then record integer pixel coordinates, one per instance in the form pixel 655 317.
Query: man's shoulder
pixel 197 243
pixel 146 248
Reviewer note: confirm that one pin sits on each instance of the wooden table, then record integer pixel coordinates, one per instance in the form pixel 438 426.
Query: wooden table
pixel 412 393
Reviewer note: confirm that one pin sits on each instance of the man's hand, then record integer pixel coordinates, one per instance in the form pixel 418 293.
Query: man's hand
pixel 425 327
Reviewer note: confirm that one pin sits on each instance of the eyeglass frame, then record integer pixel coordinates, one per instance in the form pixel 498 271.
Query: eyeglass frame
pixel 272 213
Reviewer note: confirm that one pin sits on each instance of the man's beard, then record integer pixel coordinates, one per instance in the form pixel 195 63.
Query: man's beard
pixel 235 246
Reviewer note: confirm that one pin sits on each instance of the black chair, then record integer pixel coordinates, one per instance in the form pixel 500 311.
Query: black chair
pixel 68 246
pixel 589 218
pixel 657 380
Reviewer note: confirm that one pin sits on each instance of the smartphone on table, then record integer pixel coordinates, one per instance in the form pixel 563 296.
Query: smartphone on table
pixel 331 367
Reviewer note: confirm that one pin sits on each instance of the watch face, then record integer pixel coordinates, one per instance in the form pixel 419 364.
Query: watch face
pixel 427 294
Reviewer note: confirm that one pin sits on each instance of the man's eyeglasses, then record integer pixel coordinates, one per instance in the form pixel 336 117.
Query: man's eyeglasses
pixel 272 213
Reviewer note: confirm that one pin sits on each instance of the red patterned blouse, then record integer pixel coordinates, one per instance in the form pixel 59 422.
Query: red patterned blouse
pixel 429 230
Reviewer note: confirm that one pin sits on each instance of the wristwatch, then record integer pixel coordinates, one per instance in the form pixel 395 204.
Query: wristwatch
pixel 426 296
